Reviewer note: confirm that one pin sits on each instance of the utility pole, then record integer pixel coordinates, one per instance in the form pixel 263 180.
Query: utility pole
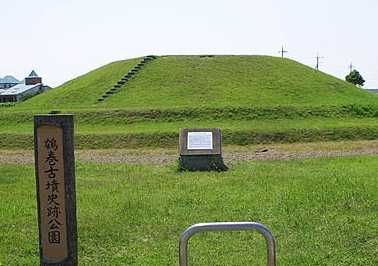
pixel 351 67
pixel 282 52
pixel 318 61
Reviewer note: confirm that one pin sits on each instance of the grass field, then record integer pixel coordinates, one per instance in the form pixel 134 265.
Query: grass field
pixel 107 135
pixel 321 211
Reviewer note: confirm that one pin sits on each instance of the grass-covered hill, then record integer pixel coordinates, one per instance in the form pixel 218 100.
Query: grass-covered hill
pixel 81 91
pixel 238 81
pixel 253 99
pixel 206 82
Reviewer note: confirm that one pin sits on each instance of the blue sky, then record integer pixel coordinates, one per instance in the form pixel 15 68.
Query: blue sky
pixel 62 39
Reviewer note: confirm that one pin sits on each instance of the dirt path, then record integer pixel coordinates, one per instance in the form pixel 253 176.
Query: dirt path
pixel 230 153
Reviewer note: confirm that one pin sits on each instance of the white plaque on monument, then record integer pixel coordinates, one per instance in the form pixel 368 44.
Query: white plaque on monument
pixel 200 140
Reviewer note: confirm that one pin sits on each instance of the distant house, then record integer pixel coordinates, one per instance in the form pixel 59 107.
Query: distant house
pixel 12 90
pixel 8 82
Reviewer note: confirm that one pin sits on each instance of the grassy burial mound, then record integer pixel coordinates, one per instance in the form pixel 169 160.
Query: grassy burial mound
pixel 253 99
pixel 233 81
pixel 204 82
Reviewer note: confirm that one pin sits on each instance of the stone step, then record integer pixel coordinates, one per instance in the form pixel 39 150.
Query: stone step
pixel 127 77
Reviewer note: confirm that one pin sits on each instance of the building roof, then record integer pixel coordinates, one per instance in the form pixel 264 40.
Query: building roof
pixel 33 74
pixel 20 88
pixel 9 79
pixel 373 90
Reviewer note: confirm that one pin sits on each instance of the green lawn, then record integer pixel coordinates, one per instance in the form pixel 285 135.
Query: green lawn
pixel 107 135
pixel 228 125
pixel 321 211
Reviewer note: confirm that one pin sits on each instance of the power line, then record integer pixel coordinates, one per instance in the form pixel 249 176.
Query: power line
pixel 282 52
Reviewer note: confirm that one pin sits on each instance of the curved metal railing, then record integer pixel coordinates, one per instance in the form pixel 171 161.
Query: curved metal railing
pixel 227 226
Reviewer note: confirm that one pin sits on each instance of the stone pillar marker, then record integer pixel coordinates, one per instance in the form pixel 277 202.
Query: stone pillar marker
pixel 55 187
pixel 201 150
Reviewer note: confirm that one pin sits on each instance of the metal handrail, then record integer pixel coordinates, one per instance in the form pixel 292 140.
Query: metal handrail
pixel 227 226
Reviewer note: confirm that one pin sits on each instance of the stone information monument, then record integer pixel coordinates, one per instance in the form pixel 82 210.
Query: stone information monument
pixel 201 150
pixel 55 186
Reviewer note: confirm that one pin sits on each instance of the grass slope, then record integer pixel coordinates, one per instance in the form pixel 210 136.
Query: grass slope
pixel 82 91
pixel 205 82
pixel 219 81
pixel 321 211
pixel 165 134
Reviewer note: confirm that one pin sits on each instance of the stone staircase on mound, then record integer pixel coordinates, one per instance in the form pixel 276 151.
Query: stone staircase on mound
pixel 132 72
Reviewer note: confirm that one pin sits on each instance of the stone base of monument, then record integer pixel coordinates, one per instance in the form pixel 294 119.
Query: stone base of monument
pixel 201 150
pixel 202 163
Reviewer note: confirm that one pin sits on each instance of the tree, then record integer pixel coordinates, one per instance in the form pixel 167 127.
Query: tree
pixel 355 78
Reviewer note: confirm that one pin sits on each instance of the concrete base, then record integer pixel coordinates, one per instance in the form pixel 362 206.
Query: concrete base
pixel 202 163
